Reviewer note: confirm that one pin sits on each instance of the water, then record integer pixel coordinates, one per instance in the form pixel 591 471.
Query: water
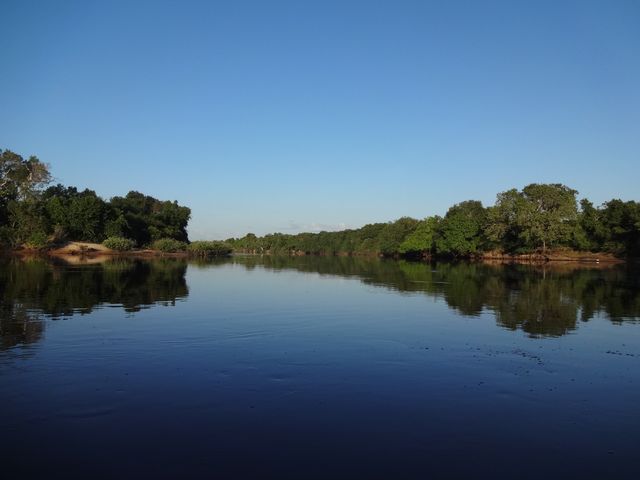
pixel 318 368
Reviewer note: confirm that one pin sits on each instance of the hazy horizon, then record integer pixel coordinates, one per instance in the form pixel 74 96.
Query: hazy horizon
pixel 290 117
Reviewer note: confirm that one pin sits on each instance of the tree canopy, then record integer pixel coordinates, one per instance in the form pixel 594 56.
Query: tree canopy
pixel 537 218
pixel 534 219
pixel 34 215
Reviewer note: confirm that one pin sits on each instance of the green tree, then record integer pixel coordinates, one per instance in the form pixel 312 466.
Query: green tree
pixel 590 232
pixel 420 241
pixel 21 215
pixel 460 232
pixel 19 177
pixel 147 219
pixel 621 221
pixel 394 233
pixel 541 215
pixel 502 229
pixel 548 214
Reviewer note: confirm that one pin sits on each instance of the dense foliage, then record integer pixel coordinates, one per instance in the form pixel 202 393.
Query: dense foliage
pixel 119 244
pixel 204 248
pixel 34 216
pixel 169 245
pixel 535 219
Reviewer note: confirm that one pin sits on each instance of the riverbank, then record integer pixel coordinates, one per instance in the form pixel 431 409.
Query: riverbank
pixel 551 256
pixel 95 250
pixel 563 255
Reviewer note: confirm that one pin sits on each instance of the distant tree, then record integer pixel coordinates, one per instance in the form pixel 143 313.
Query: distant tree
pixel 21 215
pixel 621 221
pixel 394 233
pixel 420 241
pixel 116 224
pixel 87 215
pixel 20 177
pixel 367 238
pixel 502 228
pixel 540 215
pixel 590 232
pixel 548 214
pixel 459 233
pixel 78 215
pixel 27 223
pixel 145 218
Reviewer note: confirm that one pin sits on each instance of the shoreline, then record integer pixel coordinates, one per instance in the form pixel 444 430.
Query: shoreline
pixel 92 251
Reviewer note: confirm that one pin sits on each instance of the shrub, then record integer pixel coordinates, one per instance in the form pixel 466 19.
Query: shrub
pixel 169 245
pixel 205 248
pixel 119 243
pixel 36 240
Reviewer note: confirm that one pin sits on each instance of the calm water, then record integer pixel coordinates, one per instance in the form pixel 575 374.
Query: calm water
pixel 318 368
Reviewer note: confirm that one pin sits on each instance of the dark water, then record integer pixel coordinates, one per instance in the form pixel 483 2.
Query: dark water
pixel 318 368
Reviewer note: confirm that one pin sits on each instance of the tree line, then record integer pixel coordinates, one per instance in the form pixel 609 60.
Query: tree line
pixel 34 214
pixel 538 218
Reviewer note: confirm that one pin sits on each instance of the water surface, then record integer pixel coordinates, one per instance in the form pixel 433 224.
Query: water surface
pixel 318 368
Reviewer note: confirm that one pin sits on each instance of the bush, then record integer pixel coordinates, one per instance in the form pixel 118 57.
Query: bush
pixel 36 240
pixel 169 245
pixel 119 243
pixel 207 249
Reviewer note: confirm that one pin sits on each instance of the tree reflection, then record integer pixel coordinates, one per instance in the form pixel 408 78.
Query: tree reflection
pixel 33 288
pixel 541 300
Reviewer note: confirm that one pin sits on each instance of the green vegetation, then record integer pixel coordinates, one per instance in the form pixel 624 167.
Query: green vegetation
pixel 169 245
pixel 34 285
pixel 119 243
pixel 34 216
pixel 537 218
pixel 543 301
pixel 209 248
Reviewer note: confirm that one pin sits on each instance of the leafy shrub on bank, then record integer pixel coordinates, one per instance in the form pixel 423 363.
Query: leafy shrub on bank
pixel 209 248
pixel 120 244
pixel 169 245
pixel 37 240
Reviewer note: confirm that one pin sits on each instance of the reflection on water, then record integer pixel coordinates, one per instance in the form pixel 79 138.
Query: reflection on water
pixel 540 300
pixel 318 368
pixel 35 287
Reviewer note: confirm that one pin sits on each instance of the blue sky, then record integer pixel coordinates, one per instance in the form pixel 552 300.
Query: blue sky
pixel 290 116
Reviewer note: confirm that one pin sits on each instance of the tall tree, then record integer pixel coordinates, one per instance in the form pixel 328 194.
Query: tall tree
pixel 21 217
pixel 394 234
pixel 459 233
pixel 420 241
pixel 548 214
pixel 20 177
pixel 502 228
pixel 621 221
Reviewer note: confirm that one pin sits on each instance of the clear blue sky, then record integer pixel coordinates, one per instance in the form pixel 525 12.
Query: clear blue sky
pixel 288 116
